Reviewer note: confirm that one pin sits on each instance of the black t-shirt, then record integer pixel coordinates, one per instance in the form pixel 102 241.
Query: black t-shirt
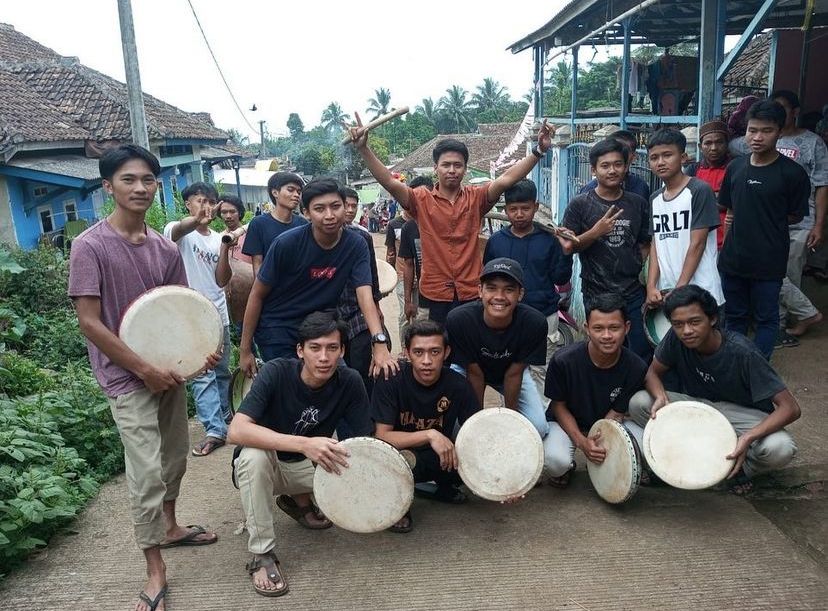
pixel 612 263
pixel 409 406
pixel 761 197
pixel 392 231
pixel 737 372
pixel 263 229
pixel 282 402
pixel 523 341
pixel 410 245
pixel 589 391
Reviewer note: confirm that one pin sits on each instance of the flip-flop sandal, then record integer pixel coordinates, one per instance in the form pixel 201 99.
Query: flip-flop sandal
pixel 741 484
pixel 562 481
pixel 442 494
pixel 786 340
pixel 274 574
pixel 189 540
pixel 207 446
pixel 403 529
pixel 153 603
pixel 289 506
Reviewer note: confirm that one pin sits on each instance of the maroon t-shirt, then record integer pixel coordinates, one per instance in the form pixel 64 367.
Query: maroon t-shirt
pixel 103 264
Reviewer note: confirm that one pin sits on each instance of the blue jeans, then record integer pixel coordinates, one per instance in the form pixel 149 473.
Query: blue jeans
pixel 636 338
pixel 210 391
pixel 747 298
pixel 530 404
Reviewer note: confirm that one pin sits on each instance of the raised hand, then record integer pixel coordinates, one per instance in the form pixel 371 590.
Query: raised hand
pixel 545 135
pixel 359 135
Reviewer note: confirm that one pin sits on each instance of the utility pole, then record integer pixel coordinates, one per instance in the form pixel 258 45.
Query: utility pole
pixel 262 153
pixel 137 117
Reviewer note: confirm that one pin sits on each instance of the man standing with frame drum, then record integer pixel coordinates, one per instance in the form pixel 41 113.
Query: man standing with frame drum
pixel 283 427
pixel 449 216
pixel 418 410
pixel 727 371
pixel 583 380
pixel 112 263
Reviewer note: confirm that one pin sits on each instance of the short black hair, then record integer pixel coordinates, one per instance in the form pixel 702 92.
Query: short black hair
pixel 349 192
pixel 424 328
pixel 320 186
pixel 607 303
pixel 786 94
pixel 450 145
pixel 522 191
pixel 279 180
pixel 113 159
pixel 227 198
pixel 769 111
pixel 421 181
pixel 605 147
pixel 199 188
pixel 320 324
pixel 688 295
pixel 668 137
pixel 626 136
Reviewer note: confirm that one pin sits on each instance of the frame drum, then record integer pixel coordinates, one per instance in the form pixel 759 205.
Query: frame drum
pixel 387 277
pixel 686 445
pixel 499 453
pixel 616 479
pixel 656 325
pixel 372 493
pixel 173 328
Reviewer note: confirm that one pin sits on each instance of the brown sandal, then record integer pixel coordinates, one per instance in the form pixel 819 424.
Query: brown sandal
pixel 207 445
pixel 563 480
pixel 274 573
pixel 287 504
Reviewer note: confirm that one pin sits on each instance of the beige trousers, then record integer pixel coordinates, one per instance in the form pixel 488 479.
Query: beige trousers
pixel 261 476
pixel 153 429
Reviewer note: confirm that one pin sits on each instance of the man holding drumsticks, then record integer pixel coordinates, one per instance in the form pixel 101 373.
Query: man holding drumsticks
pixel 449 216
pixel 112 263
pixel 283 427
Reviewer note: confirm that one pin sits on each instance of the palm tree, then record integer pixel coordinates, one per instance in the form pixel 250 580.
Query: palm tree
pixel 429 110
pixel 333 116
pixel 490 96
pixel 560 86
pixel 380 103
pixel 457 109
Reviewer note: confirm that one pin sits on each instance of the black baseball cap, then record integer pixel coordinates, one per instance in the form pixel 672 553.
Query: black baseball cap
pixel 503 266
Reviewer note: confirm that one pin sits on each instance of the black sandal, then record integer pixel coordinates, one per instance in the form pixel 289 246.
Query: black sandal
pixel 562 481
pixel 153 603
pixel 403 529
pixel 274 574
pixel 740 484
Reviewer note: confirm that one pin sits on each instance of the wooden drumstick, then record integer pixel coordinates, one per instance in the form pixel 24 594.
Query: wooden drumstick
pixel 379 121
pixel 234 235
pixel 547 227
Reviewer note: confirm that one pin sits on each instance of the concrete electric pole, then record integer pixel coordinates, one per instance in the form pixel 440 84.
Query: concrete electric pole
pixel 262 152
pixel 137 117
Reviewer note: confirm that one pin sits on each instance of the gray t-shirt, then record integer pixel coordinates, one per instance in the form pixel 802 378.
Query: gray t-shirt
pixel 809 151
pixel 107 266
pixel 736 373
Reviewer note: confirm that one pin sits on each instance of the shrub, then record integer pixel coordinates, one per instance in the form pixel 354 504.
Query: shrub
pixel 20 376
pixel 41 287
pixel 53 340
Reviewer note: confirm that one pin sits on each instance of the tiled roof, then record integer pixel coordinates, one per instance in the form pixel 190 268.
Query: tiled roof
pixel 751 69
pixel 485 146
pixel 45 97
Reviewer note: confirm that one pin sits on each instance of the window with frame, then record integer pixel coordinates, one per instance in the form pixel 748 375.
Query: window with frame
pixel 70 209
pixel 47 221
pixel 40 191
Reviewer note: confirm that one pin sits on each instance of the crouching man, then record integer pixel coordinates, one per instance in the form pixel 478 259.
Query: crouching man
pixel 283 429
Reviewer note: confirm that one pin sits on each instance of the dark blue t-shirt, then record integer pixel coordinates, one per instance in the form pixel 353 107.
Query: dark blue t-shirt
pixel 263 229
pixel 304 278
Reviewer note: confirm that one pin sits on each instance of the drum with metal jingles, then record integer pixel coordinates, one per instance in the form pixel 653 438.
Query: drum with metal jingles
pixel 616 479
pixel 173 328
pixel 373 493
pixel 656 323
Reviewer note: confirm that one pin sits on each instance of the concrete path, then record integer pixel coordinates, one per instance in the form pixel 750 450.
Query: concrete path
pixel 664 549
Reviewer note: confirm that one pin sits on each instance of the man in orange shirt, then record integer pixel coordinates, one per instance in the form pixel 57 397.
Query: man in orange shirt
pixel 449 216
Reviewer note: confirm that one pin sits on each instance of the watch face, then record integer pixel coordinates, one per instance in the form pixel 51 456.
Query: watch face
pixel 380 337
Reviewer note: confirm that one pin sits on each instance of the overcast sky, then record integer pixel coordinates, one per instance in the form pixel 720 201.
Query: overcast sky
pixel 294 57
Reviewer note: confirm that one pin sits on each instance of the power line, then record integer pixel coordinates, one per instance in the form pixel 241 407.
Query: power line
pixel 221 74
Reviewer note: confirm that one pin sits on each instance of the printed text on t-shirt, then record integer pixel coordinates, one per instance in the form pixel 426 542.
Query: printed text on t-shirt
pixel 320 273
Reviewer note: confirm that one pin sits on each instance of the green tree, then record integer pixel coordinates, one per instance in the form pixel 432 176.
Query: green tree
pixel 428 109
pixel 558 92
pixel 310 162
pixel 491 96
pixel 236 137
pixel 457 110
pixel 295 126
pixel 333 116
pixel 380 104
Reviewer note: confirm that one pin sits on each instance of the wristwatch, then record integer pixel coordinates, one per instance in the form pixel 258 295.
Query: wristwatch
pixel 537 152
pixel 379 338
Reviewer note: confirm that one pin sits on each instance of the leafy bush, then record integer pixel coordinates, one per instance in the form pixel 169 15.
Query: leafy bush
pixel 20 376
pixel 41 287
pixel 53 340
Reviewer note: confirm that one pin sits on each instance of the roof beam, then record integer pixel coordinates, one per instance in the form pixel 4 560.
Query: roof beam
pixel 767 7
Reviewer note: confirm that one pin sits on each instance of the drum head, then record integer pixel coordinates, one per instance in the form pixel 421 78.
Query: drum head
pixel 173 328
pixel 686 445
pixel 387 277
pixel 240 385
pixel 656 325
pixel 500 454
pixel 373 493
pixel 616 479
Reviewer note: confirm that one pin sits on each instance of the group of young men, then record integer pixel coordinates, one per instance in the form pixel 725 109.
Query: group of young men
pixel 493 319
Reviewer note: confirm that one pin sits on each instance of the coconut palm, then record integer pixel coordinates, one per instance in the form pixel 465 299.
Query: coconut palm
pixel 333 116
pixel 429 110
pixel 380 104
pixel 457 109
pixel 490 96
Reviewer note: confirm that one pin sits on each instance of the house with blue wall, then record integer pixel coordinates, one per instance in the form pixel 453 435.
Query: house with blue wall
pixel 56 118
